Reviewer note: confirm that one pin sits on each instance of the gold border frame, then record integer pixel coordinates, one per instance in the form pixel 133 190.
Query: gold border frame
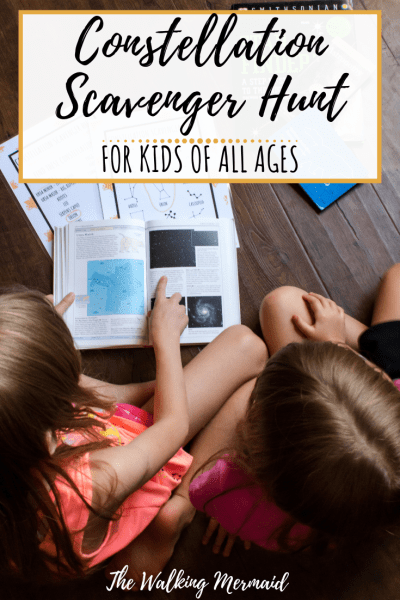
pixel 21 14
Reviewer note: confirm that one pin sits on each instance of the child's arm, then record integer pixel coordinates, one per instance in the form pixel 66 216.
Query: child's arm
pixel 132 393
pixel 136 462
pixel 128 393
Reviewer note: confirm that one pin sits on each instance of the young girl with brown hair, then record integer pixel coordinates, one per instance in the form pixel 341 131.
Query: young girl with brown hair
pixel 316 455
pixel 85 474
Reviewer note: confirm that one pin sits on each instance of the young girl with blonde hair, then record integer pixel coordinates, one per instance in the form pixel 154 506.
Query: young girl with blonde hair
pixel 85 474
pixel 315 459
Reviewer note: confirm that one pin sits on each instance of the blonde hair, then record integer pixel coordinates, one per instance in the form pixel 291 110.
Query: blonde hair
pixel 322 438
pixel 39 391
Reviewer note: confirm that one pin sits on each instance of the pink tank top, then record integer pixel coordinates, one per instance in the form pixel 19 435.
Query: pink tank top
pixel 137 511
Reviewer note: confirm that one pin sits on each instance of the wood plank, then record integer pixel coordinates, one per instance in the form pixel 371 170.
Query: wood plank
pixel 271 253
pixel 372 225
pixel 388 190
pixel 8 70
pixel 24 259
pixel 390 22
pixel 341 261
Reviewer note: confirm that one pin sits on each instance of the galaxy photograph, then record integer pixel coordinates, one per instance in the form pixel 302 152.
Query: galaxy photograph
pixel 204 311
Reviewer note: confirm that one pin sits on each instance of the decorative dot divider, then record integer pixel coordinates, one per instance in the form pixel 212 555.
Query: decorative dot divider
pixel 200 141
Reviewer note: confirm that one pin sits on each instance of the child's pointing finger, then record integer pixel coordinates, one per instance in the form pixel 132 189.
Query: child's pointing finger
pixel 65 303
pixel 161 288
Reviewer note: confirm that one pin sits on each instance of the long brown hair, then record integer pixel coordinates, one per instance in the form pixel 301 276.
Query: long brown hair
pixel 39 392
pixel 322 438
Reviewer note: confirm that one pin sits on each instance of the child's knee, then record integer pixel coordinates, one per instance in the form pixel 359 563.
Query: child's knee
pixel 285 298
pixel 250 345
pixel 393 274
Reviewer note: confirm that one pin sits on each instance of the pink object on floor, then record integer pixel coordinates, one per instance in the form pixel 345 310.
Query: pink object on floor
pixel 227 493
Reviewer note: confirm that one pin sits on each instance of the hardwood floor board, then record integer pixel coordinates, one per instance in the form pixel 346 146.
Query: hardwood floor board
pixel 338 256
pixel 8 71
pixel 271 253
pixel 388 190
pixel 25 262
pixel 19 264
pixel 391 120
pixel 242 564
pixel 127 365
pixel 390 22
pixel 390 199
pixel 372 226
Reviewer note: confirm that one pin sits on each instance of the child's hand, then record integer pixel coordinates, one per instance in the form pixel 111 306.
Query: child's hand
pixel 329 318
pixel 168 318
pixel 221 535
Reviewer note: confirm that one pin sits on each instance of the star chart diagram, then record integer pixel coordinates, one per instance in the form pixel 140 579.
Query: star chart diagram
pixel 169 201
pixel 115 287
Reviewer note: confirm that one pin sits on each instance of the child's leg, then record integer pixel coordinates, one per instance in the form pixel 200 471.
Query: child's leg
pixel 233 358
pixel 130 393
pixel 218 434
pixel 151 551
pixel 220 378
pixel 277 310
pixel 387 305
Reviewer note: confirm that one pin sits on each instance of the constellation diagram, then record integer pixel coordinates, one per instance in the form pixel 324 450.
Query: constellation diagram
pixel 197 196
pixel 160 188
pixel 164 201
pixel 137 214
pixel 133 199
pixel 194 215
pixel 132 196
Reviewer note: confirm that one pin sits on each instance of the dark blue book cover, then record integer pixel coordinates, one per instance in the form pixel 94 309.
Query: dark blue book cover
pixel 324 194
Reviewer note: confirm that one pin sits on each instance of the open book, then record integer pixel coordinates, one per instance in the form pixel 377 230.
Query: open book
pixel 114 267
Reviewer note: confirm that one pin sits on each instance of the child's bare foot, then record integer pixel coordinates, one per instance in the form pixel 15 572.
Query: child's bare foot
pixel 149 553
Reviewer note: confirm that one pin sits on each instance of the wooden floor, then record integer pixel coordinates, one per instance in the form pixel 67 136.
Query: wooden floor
pixel 341 252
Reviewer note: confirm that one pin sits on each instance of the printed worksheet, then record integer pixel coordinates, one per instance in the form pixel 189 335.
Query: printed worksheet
pixel 169 201
pixel 61 203
pixel 49 205
pixel 150 201
pixel 22 194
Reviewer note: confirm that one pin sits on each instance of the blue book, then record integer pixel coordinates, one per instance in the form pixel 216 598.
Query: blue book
pixel 324 194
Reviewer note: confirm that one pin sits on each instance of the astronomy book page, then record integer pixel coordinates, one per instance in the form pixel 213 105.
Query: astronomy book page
pixel 200 260
pixel 106 268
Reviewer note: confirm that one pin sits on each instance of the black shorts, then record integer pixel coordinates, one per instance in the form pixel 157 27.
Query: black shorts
pixel 381 344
